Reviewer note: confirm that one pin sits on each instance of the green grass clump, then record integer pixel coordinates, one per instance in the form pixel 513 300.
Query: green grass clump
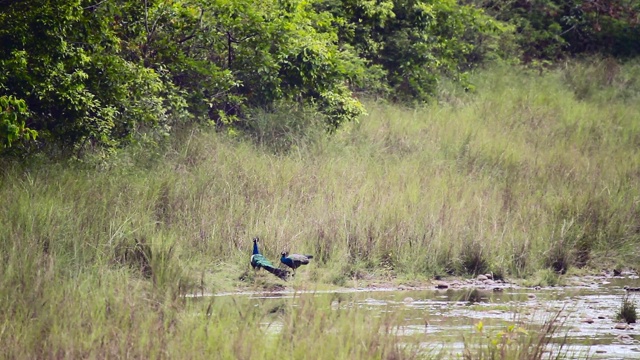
pixel 627 312
pixel 517 341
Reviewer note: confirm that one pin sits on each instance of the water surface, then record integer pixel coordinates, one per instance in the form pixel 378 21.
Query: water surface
pixel 441 318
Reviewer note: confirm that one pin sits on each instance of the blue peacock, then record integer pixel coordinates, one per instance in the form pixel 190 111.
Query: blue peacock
pixel 259 261
pixel 294 261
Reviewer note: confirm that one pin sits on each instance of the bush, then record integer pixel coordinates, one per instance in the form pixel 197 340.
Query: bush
pixel 553 29
pixel 473 261
pixel 627 312
pixel 411 45
pixel 13 114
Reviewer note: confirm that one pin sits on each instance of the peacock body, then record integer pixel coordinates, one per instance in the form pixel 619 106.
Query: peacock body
pixel 258 261
pixel 294 261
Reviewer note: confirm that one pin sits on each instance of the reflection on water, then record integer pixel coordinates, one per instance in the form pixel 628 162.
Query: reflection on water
pixel 441 317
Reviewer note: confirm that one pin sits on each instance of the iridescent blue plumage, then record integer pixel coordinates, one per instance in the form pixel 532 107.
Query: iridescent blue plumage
pixel 258 261
pixel 255 246
pixel 294 261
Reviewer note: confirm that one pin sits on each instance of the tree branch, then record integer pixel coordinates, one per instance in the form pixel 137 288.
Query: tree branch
pixel 95 5
pixel 193 33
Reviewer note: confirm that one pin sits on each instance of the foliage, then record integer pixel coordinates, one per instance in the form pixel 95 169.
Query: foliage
pixel 80 93
pixel 339 107
pixel 411 44
pixel 551 29
pixel 99 75
pixel 13 115
pixel 286 51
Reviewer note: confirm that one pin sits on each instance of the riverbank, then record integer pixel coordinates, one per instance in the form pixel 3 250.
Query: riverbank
pixel 262 282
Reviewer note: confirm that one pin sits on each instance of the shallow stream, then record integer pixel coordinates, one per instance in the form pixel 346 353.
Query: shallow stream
pixel 442 317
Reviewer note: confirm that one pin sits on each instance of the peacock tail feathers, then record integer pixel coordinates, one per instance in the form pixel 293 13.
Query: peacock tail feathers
pixel 259 261
pixel 281 273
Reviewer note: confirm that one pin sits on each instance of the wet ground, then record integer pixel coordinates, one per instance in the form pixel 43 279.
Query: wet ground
pixel 440 318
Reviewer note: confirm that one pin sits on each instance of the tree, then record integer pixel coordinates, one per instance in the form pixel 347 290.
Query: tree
pixel 551 29
pixel 80 93
pixel 97 75
pixel 411 44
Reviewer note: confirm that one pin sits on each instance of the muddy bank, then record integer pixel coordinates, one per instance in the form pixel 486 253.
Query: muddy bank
pixel 625 280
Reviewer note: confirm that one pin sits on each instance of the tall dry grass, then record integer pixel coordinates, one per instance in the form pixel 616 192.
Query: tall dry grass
pixel 532 172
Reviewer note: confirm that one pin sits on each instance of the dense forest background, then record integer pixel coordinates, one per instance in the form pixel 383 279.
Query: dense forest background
pixel 82 77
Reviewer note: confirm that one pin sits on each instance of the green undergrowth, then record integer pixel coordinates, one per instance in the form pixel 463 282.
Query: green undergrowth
pixel 529 177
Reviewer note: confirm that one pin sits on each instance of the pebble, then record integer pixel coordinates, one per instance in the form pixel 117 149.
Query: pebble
pixel 621 326
pixel 588 320
pixel 482 277
pixel 624 338
pixel 441 285
pixel 408 300
pixel 531 296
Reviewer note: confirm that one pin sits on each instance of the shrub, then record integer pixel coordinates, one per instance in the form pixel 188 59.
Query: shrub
pixel 473 260
pixel 13 114
pixel 627 311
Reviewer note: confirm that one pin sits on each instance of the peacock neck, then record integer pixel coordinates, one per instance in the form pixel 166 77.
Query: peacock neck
pixel 255 248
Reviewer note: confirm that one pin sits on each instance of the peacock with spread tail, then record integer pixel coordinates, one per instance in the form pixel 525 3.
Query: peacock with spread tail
pixel 294 261
pixel 259 261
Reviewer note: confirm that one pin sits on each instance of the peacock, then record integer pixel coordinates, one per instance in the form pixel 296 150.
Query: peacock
pixel 294 260
pixel 259 261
